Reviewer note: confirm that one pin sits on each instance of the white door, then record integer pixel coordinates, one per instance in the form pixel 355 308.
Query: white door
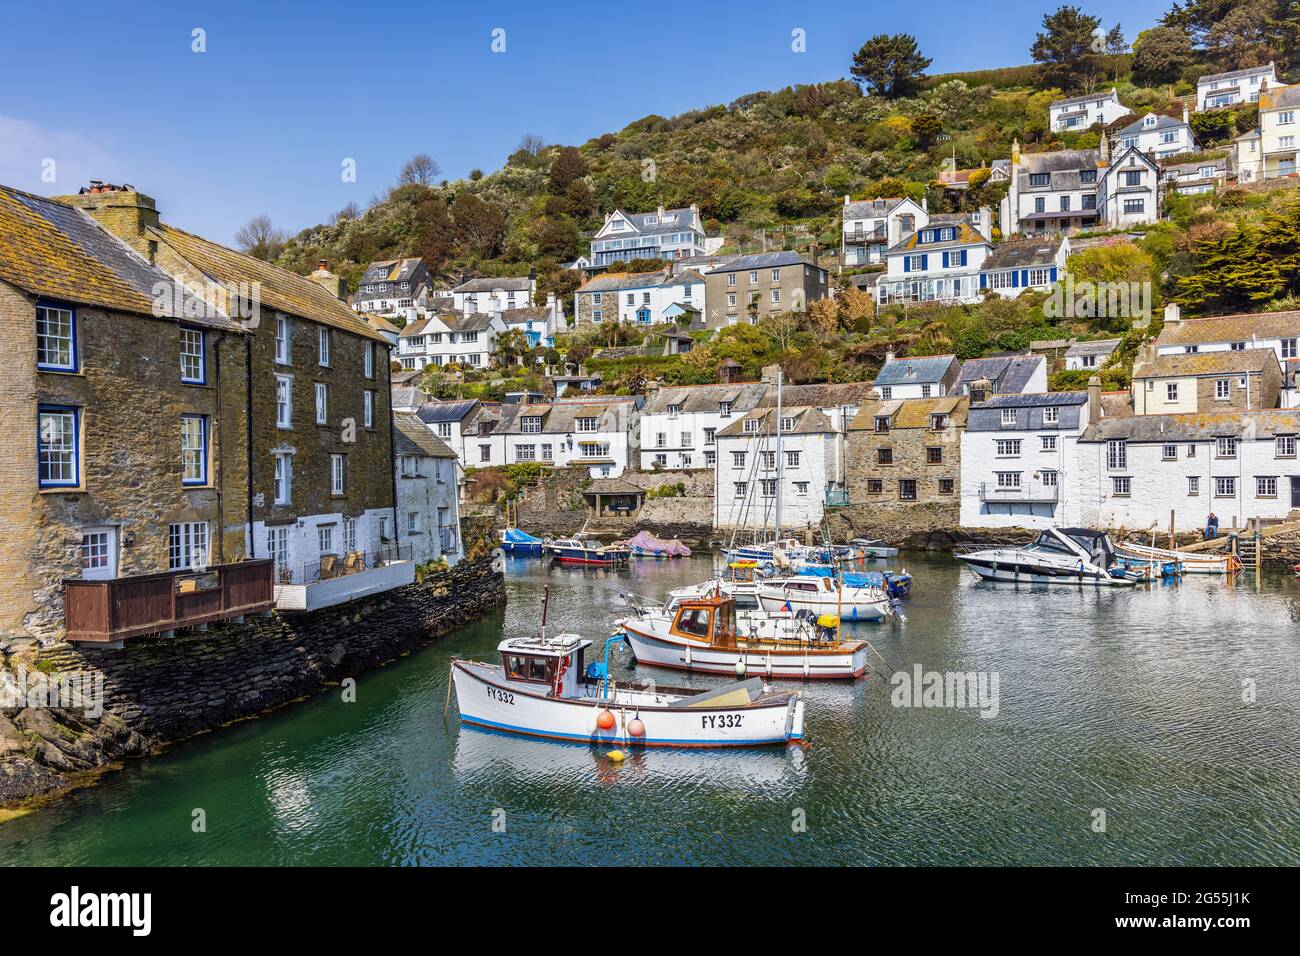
pixel 99 554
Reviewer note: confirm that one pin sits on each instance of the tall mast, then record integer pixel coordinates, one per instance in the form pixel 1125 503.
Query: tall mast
pixel 780 468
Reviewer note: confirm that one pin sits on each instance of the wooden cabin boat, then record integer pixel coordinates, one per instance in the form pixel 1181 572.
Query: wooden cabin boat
pixel 1189 562
pixel 703 634
pixel 823 596
pixel 545 688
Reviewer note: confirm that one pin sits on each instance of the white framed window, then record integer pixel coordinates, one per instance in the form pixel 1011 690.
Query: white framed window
pixel 283 478
pixel 58 448
pixel 193 366
pixel 1008 417
pixel 776 296
pixel 56 338
pixel 767 487
pixel 1050 479
pixel 187 545
pixel 737 459
pixel 283 401
pixel 325 538
pixel 792 459
pixel 1116 454
pixel 741 487
pixel 1193 484
pixel 1225 487
pixel 525 453
pixel 585 424
pixel 769 460
pixel 413 522
pixel 1008 479
pixel 368 411
pixel 323 349
pixel 1049 442
pixel 99 554
pixel 194 449
pixel 368 360
pixel 1225 447
pixel 322 403
pixel 1121 487
pixel 1266 486
pixel 282 340
pixel 1171 391
pixel 338 474
pixel 1284 446
pixel 1007 447
pixel 1169 453
pixel 752 424
pixel 724 409
pixel 530 424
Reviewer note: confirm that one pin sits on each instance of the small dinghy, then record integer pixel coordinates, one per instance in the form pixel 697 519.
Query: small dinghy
pixel 1189 562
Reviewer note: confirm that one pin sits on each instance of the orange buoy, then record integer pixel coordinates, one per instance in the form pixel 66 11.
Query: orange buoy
pixel 635 727
pixel 605 720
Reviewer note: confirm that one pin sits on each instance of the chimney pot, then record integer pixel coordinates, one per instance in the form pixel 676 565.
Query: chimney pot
pixel 1173 314
pixel 1094 400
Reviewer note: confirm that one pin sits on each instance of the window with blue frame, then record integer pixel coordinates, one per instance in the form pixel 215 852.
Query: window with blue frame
pixel 643 316
pixel 58 444
pixel 193 356
pixel 194 449
pixel 56 338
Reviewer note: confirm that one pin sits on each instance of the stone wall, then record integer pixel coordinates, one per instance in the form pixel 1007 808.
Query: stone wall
pixel 160 690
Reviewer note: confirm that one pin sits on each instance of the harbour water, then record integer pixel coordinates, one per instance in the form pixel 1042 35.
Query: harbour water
pixel 1174 709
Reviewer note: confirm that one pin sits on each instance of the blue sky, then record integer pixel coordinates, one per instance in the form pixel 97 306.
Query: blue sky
pixel 261 121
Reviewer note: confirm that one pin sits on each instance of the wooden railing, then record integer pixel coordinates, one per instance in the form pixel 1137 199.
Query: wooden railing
pixel 121 608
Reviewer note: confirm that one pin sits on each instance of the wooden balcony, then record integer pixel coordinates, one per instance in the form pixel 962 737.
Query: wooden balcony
pixel 109 612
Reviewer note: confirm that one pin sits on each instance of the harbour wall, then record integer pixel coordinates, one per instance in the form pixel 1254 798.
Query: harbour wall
pixel 156 691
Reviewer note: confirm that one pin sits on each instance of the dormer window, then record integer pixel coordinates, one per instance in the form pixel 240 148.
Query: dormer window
pixel 751 425
pixel 674 411
pixel 724 409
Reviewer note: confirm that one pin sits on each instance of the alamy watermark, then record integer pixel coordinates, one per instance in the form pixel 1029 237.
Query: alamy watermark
pixel 955 690
pixel 24 688
pixel 187 299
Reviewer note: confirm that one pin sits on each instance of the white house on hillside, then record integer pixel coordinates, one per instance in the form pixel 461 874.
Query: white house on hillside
pixel 1069 190
pixel 748 479
pixel 679 426
pixel 639 298
pixel 662 234
pixel 447 339
pixel 1158 135
pixel 1077 113
pixel 1217 90
pixel 493 294
pixel 920 376
pixel 1270 150
pixel 597 433
pixel 871 226
pixel 1019 264
pixel 939 262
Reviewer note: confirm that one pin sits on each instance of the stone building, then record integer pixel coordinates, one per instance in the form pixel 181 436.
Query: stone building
pixel 904 458
pixel 762 285
pixel 122 396
pixel 1244 379
pixel 320 473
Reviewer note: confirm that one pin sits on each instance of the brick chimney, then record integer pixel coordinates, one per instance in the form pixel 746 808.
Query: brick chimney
pixel 121 210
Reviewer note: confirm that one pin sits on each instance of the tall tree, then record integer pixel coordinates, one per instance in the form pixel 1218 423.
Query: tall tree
pixel 567 168
pixel 259 238
pixel 1163 55
pixel 1068 49
pixel 479 225
pixel 890 66
pixel 421 169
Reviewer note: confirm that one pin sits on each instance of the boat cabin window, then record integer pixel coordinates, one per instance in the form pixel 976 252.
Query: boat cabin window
pixel 1047 542
pixel 521 667
pixel 694 620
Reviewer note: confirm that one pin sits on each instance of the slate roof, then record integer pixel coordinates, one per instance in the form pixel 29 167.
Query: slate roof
pixel 680 219
pixel 1070 100
pixel 921 370
pixel 1279 96
pixel 1008 373
pixel 764 260
pixel 279 288
pixel 391 270
pixel 743 396
pixel 911 412
pixel 1236 74
pixel 823 395
pixel 1162 122
pixel 431 412
pixel 612 486
pixel 1095 347
pixel 1230 328
pixel 967 235
pixel 618 281
pixel 870 208
pixel 1035 400
pixel 381 324
pixel 1022 253
pixel 506 284
pixel 1063 165
pixel 1196 426
pixel 51 249
pixel 558 416
pixel 412 437
pixel 1206 363
pixel 807 421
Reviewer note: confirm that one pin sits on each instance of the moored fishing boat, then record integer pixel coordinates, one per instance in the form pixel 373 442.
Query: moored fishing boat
pixel 823 595
pixel 704 634
pixel 585 551
pixel 544 688
pixel 520 543
pixel 1190 562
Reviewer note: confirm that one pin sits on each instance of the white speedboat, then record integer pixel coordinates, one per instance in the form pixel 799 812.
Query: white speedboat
pixel 545 688
pixel 823 596
pixel 1075 556
pixel 705 634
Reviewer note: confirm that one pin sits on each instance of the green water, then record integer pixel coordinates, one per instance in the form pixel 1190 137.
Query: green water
pixel 1124 700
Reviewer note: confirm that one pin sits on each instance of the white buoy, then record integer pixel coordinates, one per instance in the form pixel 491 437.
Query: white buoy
pixel 740 668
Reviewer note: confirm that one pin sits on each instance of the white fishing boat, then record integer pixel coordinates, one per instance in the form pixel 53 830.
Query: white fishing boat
pixel 545 688
pixel 1074 556
pixel 823 596
pixel 704 634
pixel 1191 562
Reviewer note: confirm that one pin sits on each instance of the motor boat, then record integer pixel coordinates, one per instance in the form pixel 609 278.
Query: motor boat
pixel 774 552
pixel 585 551
pixel 520 543
pixel 705 634
pixel 897 584
pixel 823 595
pixel 1057 556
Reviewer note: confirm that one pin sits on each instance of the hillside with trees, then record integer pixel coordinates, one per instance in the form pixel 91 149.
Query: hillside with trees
pixel 770 170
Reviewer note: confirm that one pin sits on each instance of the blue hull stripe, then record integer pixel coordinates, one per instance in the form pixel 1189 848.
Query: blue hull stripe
pixel 649 741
